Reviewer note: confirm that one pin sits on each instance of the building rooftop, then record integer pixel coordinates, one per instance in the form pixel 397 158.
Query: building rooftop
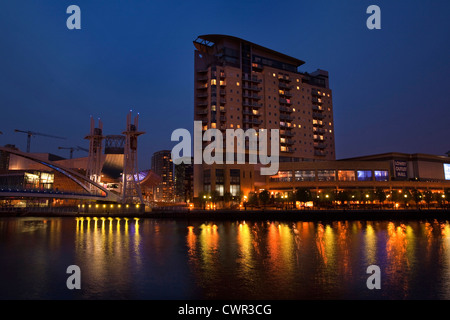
pixel 202 43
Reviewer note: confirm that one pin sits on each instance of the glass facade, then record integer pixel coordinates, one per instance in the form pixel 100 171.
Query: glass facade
pixel 364 175
pixel 326 175
pixel 305 175
pixel 282 176
pixel 346 175
pixel 381 175
pixel 235 182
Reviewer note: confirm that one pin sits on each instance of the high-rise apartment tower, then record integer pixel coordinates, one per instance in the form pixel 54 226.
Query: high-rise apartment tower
pixel 239 84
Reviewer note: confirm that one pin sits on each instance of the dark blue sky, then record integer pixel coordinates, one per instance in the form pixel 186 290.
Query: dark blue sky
pixel 390 86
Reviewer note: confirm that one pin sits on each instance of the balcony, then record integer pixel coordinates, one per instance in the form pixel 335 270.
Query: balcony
pixel 202 78
pixel 285 94
pixel 287 141
pixel 251 104
pixel 319 145
pixel 285 109
pixel 286 133
pixel 202 86
pixel 223 119
pixel 284 78
pixel 252 121
pixel 257 66
pixel 222 109
pixel 202 95
pixel 251 88
pixel 316 100
pixel 286 117
pixel 202 103
pixel 251 113
pixel 251 96
pixel 318 138
pixel 319 152
pixel 285 101
pixel 283 85
pixel 223 101
pixel 202 112
pixel 315 93
pixel 317 130
pixel 317 108
pixel 251 79
pixel 285 125
pixel 222 75
pixel 318 115
pixel 287 149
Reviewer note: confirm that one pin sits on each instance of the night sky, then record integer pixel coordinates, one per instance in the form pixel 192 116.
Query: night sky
pixel 390 86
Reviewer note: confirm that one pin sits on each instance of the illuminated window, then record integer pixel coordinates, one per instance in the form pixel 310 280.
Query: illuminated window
pixel 305 175
pixel 231 125
pixel 213 82
pixel 235 189
pixel 298 81
pixel 298 88
pixel 381 175
pixel 447 171
pixel 282 176
pixel 274 74
pixel 326 175
pixel 213 125
pixel 238 84
pixel 346 175
pixel 364 175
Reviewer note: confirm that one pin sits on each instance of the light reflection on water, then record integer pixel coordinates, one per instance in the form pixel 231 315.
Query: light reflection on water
pixel 166 259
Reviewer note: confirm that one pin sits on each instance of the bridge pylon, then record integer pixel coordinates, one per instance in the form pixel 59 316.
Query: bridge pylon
pixel 131 189
pixel 95 137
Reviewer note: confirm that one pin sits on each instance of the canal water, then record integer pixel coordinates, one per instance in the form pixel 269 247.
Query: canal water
pixel 240 260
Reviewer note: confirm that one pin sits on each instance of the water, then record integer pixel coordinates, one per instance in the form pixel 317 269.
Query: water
pixel 159 259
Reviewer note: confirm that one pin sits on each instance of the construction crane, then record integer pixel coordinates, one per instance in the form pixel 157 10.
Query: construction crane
pixel 72 149
pixel 32 134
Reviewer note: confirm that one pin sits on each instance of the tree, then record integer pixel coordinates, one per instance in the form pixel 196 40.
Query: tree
pixel 407 197
pixel 428 197
pixel 416 196
pixel 264 197
pixel 227 197
pixel 303 195
pixel 439 197
pixel 214 197
pixel 252 199
pixel 203 197
pixel 380 195
pixel 343 196
pixel 290 198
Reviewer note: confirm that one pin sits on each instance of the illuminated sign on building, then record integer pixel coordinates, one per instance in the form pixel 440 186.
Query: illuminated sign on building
pixel 447 171
pixel 401 169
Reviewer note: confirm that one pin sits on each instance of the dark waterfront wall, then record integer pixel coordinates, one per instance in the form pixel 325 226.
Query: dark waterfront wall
pixel 279 215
